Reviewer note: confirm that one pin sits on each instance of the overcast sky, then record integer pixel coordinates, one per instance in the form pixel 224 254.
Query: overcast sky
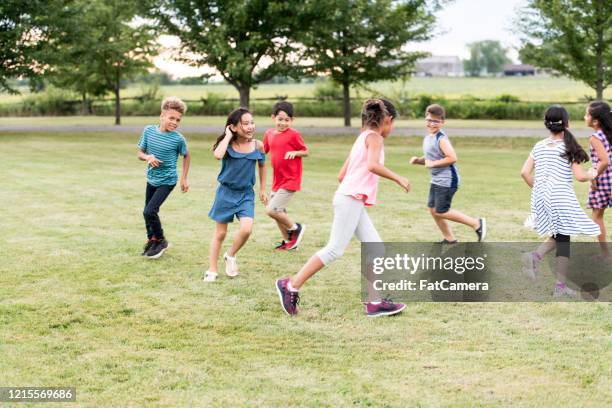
pixel 459 23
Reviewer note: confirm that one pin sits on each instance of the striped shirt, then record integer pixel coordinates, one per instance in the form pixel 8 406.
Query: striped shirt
pixel 554 206
pixel 165 146
pixel 447 176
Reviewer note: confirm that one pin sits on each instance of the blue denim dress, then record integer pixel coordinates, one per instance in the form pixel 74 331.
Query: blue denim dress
pixel 235 196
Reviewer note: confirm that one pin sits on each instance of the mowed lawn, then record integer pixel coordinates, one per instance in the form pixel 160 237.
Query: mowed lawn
pixel 79 307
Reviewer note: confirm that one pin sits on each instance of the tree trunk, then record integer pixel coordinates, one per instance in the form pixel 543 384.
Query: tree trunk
pixel 84 109
pixel 599 52
pixel 346 100
pixel 117 99
pixel 245 95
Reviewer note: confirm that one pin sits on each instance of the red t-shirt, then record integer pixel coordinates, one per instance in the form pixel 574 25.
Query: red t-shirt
pixel 287 173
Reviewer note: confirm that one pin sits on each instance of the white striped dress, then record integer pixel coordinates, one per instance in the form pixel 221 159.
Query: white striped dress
pixel 554 206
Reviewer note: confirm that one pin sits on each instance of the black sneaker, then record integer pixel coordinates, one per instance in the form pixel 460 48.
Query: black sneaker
pixel 147 246
pixel 158 249
pixel 482 229
pixel 447 242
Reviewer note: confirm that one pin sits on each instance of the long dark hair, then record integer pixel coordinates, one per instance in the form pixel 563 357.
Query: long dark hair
pixel 232 119
pixel 601 112
pixel 556 119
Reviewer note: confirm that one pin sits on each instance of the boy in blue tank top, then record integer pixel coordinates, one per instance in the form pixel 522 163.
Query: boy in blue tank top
pixel 440 158
pixel 160 147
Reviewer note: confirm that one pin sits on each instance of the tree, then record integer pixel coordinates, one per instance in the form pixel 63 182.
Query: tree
pixel 485 56
pixel 103 45
pixel 572 37
pixel 247 42
pixel 26 28
pixel 360 41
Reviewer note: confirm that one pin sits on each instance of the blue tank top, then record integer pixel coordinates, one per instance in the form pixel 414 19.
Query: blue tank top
pixel 238 169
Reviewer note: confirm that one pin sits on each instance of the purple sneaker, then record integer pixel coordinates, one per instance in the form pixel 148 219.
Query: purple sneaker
pixel 288 299
pixel 384 308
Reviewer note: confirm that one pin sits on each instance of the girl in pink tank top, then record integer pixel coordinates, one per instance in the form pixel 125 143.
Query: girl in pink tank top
pixel 358 186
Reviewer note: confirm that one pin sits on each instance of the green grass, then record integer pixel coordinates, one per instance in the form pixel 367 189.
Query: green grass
pixel 79 306
pixel 264 122
pixel 546 89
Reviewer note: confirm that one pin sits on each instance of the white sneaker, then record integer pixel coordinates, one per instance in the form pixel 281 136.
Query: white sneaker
pixel 209 276
pixel 561 291
pixel 231 266
pixel 530 265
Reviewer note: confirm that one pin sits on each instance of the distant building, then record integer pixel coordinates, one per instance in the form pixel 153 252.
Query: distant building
pixel 519 70
pixel 439 65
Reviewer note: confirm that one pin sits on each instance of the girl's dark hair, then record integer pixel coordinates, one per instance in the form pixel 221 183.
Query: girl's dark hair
pixel 232 119
pixel 284 106
pixel 601 112
pixel 556 119
pixel 374 112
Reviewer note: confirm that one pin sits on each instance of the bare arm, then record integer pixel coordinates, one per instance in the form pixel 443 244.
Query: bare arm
pixel 581 175
pixel 219 152
pixel 450 157
pixel 149 158
pixel 184 182
pixel 343 170
pixel 417 160
pixel 261 166
pixel 296 153
pixel 374 144
pixel 602 155
pixel 527 171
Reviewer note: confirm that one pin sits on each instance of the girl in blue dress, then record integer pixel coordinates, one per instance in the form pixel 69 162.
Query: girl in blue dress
pixel 239 154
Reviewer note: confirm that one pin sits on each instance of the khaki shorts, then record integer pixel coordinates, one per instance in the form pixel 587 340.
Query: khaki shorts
pixel 279 200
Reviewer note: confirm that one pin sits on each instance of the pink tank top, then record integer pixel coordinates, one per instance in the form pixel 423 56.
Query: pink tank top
pixel 359 182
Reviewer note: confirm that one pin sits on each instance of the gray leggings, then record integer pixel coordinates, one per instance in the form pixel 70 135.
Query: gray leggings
pixel 350 218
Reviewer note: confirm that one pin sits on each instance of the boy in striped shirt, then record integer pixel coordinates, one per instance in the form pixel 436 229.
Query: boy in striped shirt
pixel 160 146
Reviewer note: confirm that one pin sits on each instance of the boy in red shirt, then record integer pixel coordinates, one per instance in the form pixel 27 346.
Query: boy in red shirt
pixel 287 149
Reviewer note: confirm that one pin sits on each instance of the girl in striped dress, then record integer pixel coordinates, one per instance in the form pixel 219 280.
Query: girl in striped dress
pixel 599 117
pixel 555 210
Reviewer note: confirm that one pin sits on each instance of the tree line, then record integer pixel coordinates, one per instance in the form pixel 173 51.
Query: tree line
pixel 90 46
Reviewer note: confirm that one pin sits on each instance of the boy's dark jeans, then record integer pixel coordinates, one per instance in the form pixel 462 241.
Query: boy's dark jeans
pixel 155 197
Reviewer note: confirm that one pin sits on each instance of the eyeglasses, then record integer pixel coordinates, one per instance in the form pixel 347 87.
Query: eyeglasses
pixel 433 121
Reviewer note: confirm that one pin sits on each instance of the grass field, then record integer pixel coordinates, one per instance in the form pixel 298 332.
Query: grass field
pixel 79 306
pixel 263 122
pixel 545 89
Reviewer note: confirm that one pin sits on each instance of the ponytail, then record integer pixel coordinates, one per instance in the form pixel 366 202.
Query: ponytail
pixel 373 113
pixel 556 120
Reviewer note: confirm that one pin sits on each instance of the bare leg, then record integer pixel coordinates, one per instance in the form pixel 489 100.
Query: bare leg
pixel 561 265
pixel 443 225
pixel 598 217
pixel 545 247
pixel 283 221
pixel 457 216
pixel 241 237
pixel 215 246
pixel 312 266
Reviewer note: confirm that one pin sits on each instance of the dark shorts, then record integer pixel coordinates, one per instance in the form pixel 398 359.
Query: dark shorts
pixel 440 198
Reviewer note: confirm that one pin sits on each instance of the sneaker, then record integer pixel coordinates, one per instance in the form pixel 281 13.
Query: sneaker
pixel 281 245
pixel 157 249
pixel 446 241
pixel 384 308
pixel 288 299
pixel 531 265
pixel 482 229
pixel 561 290
pixel 209 276
pixel 147 246
pixel 295 237
pixel 231 266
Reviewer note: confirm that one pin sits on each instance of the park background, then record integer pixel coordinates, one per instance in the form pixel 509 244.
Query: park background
pixel 79 307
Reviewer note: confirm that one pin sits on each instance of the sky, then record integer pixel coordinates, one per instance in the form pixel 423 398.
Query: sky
pixel 459 23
